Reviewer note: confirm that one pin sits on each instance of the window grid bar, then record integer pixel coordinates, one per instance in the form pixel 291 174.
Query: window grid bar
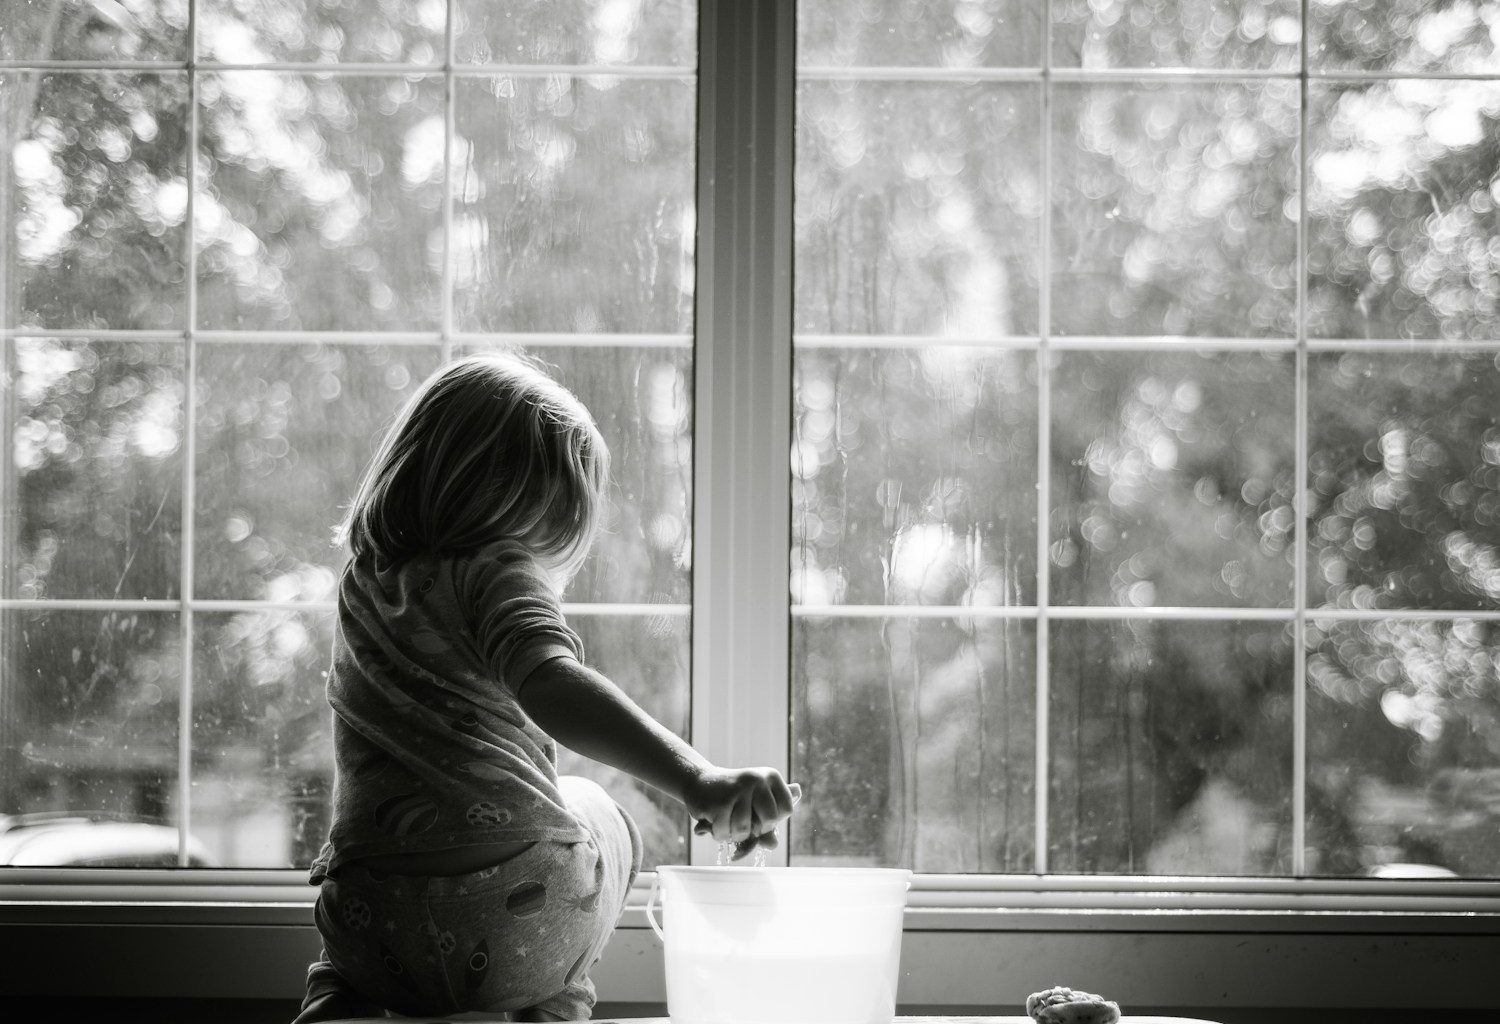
pixel 832 611
pixel 449 136
pixel 189 460
pixel 1299 500
pixel 1043 711
pixel 563 339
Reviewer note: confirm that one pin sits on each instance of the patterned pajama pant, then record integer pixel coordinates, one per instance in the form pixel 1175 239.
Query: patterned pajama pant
pixel 520 935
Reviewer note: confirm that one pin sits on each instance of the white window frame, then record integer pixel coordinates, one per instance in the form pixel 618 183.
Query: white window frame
pixel 742 612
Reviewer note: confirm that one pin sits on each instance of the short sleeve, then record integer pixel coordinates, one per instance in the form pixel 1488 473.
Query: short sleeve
pixel 514 614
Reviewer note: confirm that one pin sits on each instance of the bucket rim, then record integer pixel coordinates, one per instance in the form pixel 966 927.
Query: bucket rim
pixel 726 872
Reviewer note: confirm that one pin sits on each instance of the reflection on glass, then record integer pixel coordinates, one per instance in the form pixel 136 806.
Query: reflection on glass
pixel 539 244
pixel 1173 479
pixel 1403 748
pixel 320 31
pixel 1404 478
pixel 1210 34
pixel 1401 207
pixel 662 32
pixel 1171 748
pixel 96 201
pixel 649 657
pixel 94 30
pixel 262 748
pixel 913 476
pixel 88 726
pixel 93 492
pixel 284 434
pixel 918 208
pixel 919 33
pixel 1174 209
pixel 319 205
pixel 914 742
pixel 1403 35
pixel 641 398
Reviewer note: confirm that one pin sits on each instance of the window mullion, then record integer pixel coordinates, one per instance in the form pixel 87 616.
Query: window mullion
pixel 189 460
pixel 742 374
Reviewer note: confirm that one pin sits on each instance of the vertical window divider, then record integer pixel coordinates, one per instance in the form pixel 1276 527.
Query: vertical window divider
pixel 741 642
pixel 189 443
pixel 445 300
pixel 1299 490
pixel 1044 458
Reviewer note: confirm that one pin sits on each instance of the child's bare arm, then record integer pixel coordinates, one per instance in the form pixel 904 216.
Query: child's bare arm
pixel 587 713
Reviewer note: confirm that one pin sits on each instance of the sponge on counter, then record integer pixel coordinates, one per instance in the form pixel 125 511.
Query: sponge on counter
pixel 1064 1006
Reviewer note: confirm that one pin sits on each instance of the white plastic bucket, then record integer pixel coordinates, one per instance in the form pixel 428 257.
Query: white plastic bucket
pixel 780 945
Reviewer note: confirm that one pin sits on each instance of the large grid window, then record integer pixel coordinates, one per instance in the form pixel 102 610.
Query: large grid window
pixel 1093 300
pixel 237 233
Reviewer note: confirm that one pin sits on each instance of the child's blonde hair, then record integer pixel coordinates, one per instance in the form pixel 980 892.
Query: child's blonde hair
pixel 490 448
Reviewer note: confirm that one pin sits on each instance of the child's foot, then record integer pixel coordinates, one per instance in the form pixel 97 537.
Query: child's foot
pixel 329 997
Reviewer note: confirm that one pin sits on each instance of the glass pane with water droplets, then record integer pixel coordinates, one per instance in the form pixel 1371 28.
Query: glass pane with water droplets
pixel 1172 479
pixel 1171 748
pixel 1404 480
pixel 95 201
pixel 658 32
pixel 321 31
pixel 1403 748
pixel 319 203
pixel 285 432
pixel 1402 221
pixel 918 208
pixel 539 242
pixel 88 730
pixel 93 488
pixel 919 33
pixel 262 745
pixel 1207 34
pixel 1403 35
pixel 913 476
pixel 1174 209
pixel 94 30
pixel 914 742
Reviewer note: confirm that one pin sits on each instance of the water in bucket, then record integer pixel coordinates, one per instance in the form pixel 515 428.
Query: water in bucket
pixel 781 945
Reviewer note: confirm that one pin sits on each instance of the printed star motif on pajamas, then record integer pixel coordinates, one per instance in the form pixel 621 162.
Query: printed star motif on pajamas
pixel 390 926
pixel 521 951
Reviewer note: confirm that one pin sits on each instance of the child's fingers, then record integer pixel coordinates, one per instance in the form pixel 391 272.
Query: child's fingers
pixel 767 814
pixel 742 816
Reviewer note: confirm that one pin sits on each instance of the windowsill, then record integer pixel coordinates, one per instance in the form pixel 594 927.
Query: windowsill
pixel 935 902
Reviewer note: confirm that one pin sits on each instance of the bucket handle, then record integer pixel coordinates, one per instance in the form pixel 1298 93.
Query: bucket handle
pixel 651 908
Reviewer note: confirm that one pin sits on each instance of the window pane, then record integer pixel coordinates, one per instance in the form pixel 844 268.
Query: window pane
pixel 919 33
pixel 1403 35
pixel 89 30
pixel 284 434
pixel 1401 205
pixel 88 716
pixel 1174 210
pixel 1403 761
pixel 319 31
pixel 641 399
pixel 262 747
pixel 914 741
pixel 1171 748
pixel 320 201
pixel 1173 479
pixel 1260 34
pixel 661 32
pixel 1404 478
pixel 650 658
pixel 94 494
pixel 913 476
pixel 97 201
pixel 918 208
pixel 540 244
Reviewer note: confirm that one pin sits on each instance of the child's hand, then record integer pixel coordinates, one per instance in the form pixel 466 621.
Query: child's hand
pixel 742 806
